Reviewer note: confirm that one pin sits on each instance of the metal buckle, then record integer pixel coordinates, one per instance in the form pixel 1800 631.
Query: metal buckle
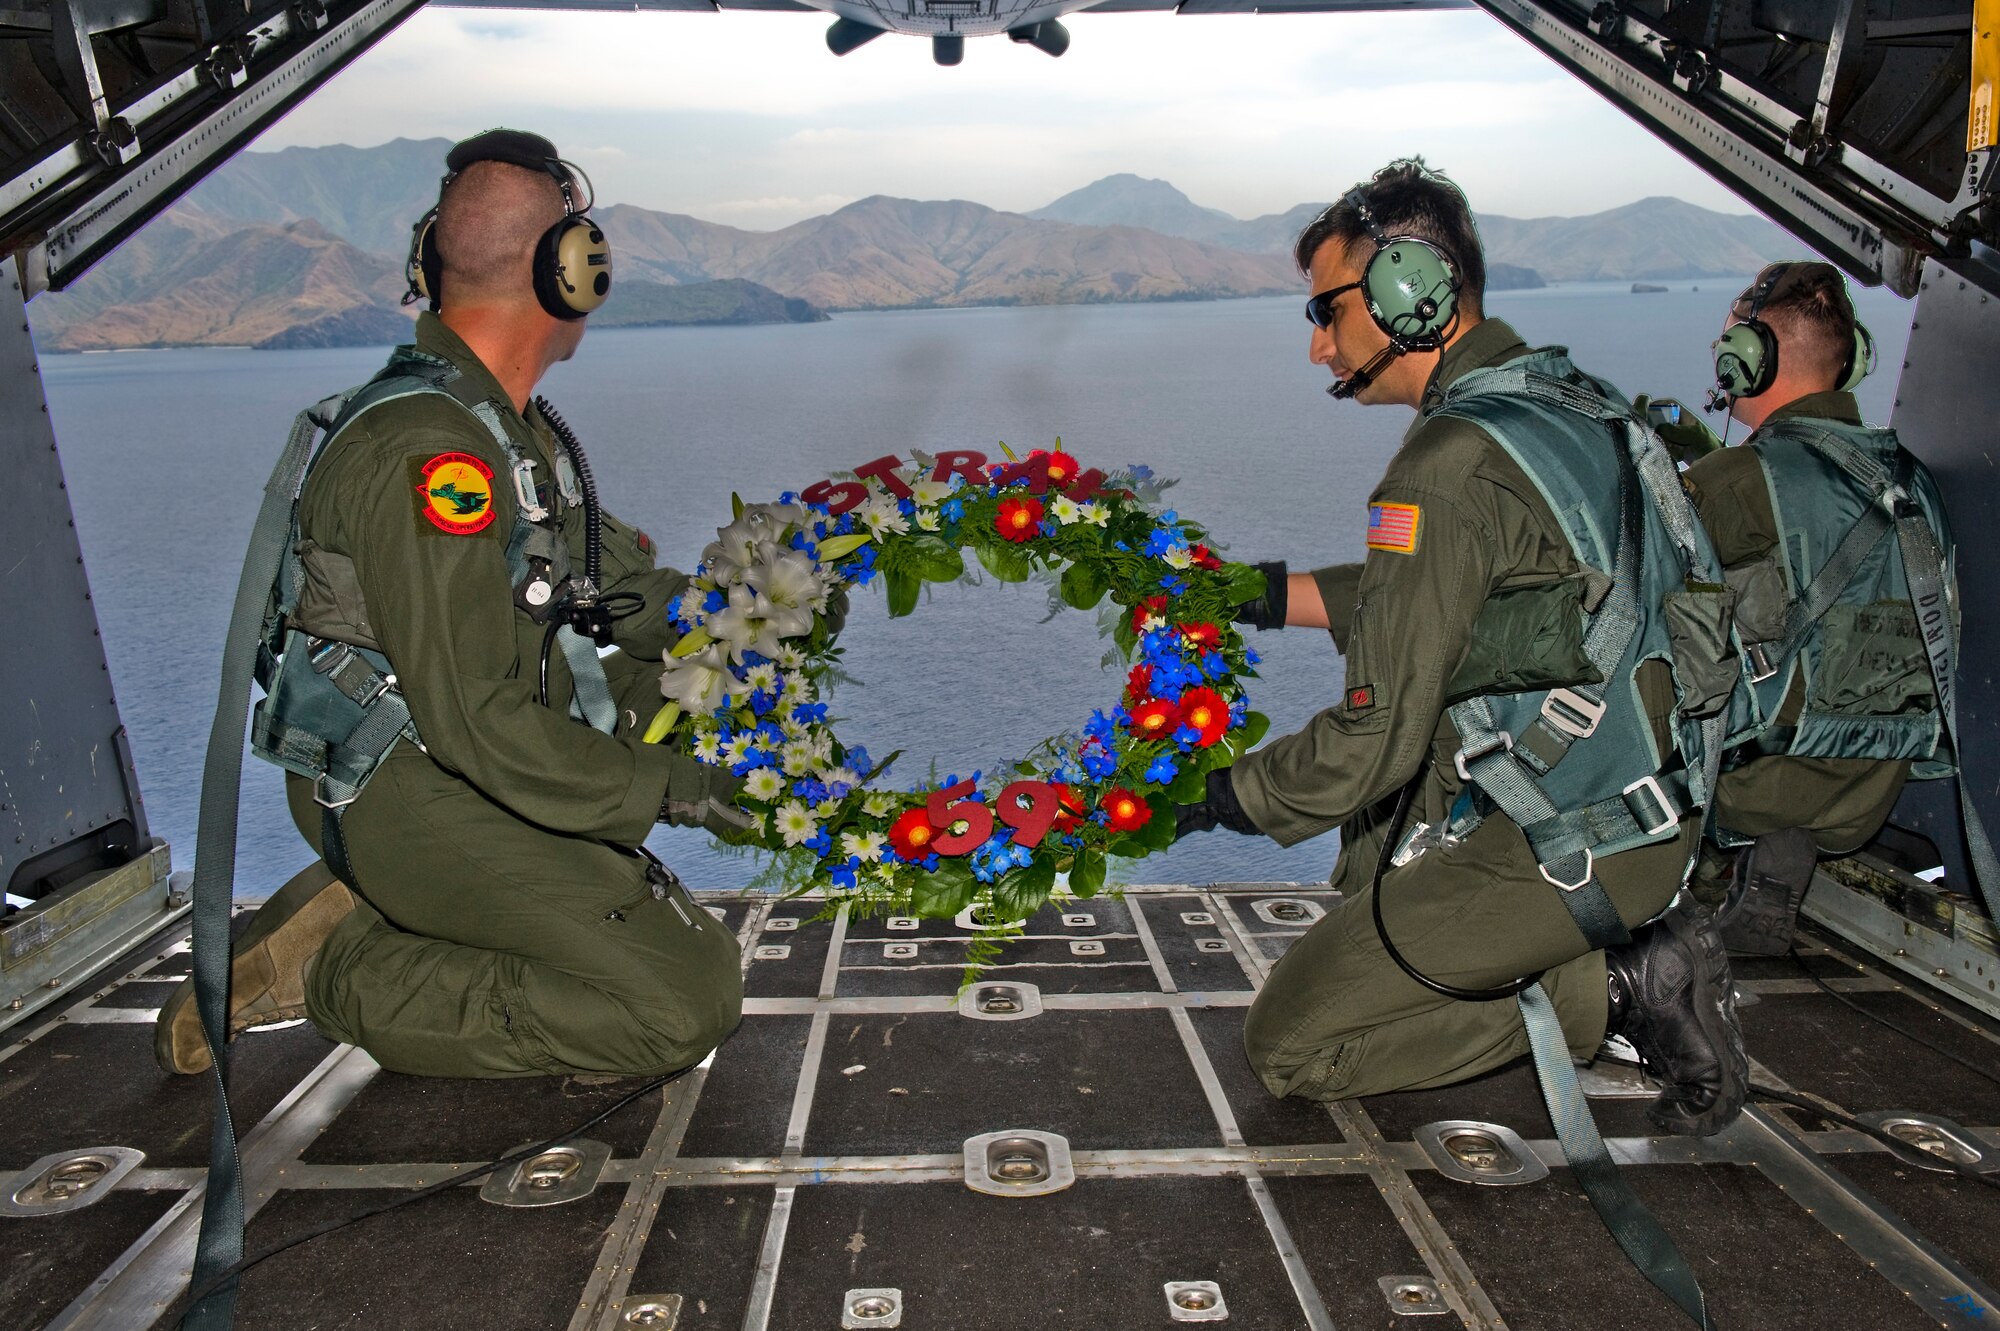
pixel 1502 743
pixel 324 803
pixel 1572 713
pixel 1670 813
pixel 1413 846
pixel 1760 663
pixel 383 684
pixel 1589 869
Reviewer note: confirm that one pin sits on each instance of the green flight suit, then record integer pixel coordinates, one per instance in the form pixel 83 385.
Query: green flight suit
pixel 506 926
pixel 1842 802
pixel 1337 1018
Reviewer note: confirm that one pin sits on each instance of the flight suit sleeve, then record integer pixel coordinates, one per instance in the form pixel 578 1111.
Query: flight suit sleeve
pixel 1339 588
pixel 1412 624
pixel 442 606
pixel 629 557
pixel 1730 494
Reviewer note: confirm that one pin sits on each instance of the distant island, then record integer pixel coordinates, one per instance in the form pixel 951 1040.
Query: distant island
pixel 1646 289
pixel 304 248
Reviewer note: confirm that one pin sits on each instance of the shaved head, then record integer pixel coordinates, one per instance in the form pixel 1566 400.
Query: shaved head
pixel 1811 313
pixel 489 219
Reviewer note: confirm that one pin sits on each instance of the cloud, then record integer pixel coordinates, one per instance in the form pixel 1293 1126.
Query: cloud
pixel 745 116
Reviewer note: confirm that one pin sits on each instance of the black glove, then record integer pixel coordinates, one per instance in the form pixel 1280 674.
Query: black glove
pixel 1218 808
pixel 1268 610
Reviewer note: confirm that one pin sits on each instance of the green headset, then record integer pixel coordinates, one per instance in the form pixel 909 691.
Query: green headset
pixel 1746 355
pixel 1410 288
pixel 572 263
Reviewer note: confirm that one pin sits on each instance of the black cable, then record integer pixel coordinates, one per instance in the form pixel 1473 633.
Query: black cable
pixel 194 1297
pixel 593 519
pixel 1881 1020
pixel 1395 833
pixel 542 671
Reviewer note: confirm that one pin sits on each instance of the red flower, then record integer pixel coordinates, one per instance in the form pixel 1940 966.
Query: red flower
pixel 1203 636
pixel 1154 719
pixel 1204 557
pixel 1069 808
pixel 1127 811
pixel 1060 468
pixel 912 834
pixel 1149 608
pixel 1139 682
pixel 1019 519
pixel 1206 711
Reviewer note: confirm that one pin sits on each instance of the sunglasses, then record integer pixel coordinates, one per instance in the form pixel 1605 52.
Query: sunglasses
pixel 1319 309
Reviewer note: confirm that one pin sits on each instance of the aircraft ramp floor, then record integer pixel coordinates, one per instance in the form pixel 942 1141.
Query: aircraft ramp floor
pixel 815 1173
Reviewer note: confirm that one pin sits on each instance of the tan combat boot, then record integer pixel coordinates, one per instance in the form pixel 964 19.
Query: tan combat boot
pixel 267 980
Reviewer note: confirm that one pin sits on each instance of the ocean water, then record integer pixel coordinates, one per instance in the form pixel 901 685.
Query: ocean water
pixel 166 453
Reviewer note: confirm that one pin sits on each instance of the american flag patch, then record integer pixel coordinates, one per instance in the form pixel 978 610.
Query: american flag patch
pixel 1393 527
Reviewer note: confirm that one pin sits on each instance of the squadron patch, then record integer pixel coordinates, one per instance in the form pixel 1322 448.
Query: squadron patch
pixel 1361 698
pixel 454 491
pixel 1393 527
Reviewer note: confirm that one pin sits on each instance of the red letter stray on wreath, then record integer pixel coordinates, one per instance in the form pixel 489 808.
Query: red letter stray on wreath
pixel 838 496
pixel 883 469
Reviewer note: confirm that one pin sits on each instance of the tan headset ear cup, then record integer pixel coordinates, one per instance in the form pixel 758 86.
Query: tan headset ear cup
pixel 1861 360
pixel 573 268
pixel 423 268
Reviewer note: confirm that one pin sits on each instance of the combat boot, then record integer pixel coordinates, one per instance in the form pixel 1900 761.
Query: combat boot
pixel 267 968
pixel 1762 909
pixel 1672 997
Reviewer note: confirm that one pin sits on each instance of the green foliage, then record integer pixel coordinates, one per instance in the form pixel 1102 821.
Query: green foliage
pixel 1009 563
pixel 1021 892
pixel 1084 585
pixel 902 587
pixel 1086 876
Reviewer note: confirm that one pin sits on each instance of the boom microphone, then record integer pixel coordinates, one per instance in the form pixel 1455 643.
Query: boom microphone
pixel 1364 376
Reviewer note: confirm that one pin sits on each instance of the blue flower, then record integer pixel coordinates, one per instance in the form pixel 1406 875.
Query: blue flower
pixel 1174 584
pixel 906 507
pixel 952 509
pixel 808 712
pixel 808 789
pixel 843 874
pixel 789 497
pixel 762 702
pixel 1185 737
pixel 1213 665
pixel 820 842
pixel 1162 771
pixel 753 760
pixel 1049 526
pixel 1164 539
pixel 1099 726
pixel 845 526
pixel 1099 765
pixel 768 732
pixel 1251 656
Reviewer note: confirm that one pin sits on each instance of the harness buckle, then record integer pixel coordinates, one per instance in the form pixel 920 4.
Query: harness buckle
pixel 1574 714
pixel 319 797
pixel 1502 743
pixel 1761 666
pixel 1669 814
pixel 1589 871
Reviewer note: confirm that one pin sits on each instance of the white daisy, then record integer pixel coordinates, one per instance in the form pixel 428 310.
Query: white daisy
pixel 881 803
pixel 798 757
pixel 763 784
pixel 1065 510
pixel 708 748
pixel 1096 514
pixel 1178 557
pixel 796 823
pixel 927 520
pixel 929 494
pixel 865 846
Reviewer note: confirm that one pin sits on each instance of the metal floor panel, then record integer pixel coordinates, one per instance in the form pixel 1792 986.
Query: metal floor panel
pixel 821 1152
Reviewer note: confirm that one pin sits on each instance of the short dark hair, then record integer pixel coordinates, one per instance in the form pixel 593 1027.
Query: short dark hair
pixel 1406 198
pixel 1808 308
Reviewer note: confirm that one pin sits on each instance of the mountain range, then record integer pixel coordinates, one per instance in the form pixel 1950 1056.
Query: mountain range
pixel 305 246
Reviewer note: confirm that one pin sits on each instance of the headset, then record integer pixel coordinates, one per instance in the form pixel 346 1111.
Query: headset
pixel 1746 355
pixel 572 262
pixel 1410 288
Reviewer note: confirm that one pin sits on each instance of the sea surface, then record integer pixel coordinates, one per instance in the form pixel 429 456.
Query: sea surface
pixel 166 454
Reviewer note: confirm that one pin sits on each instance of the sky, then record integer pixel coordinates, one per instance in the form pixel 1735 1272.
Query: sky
pixel 746 118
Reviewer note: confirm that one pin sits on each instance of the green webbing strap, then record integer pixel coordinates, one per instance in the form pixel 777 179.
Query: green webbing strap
pixel 1623 1214
pixel 1923 568
pixel 220 1246
pixel 592 691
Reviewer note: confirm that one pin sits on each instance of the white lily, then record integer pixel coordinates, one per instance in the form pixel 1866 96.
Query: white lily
pixel 741 628
pixel 786 585
pixel 701 681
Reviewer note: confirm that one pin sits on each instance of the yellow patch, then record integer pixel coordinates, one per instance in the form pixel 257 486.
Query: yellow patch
pixel 455 492
pixel 1393 527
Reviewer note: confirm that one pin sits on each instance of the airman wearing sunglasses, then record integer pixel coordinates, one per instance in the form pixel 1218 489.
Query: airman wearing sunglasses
pixel 1494 652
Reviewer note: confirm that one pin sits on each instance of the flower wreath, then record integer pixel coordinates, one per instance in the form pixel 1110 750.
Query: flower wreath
pixel 744 680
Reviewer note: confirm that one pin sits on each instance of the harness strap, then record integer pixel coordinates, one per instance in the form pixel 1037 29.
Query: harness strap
pixel 591 690
pixel 220 1245
pixel 1633 1227
pixel 1923 567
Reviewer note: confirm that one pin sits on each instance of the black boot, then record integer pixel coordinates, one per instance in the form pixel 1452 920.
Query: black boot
pixel 1762 908
pixel 1671 996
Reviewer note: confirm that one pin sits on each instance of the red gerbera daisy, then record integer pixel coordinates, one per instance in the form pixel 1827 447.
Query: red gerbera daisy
pixel 1069 808
pixel 1203 636
pixel 1139 682
pixel 1019 519
pixel 1154 719
pixel 1061 468
pixel 1205 710
pixel 912 835
pixel 1147 611
pixel 1204 557
pixel 1127 811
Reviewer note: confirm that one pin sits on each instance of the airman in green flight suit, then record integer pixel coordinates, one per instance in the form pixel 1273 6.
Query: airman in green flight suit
pixel 1852 706
pixel 500 919
pixel 1457 527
